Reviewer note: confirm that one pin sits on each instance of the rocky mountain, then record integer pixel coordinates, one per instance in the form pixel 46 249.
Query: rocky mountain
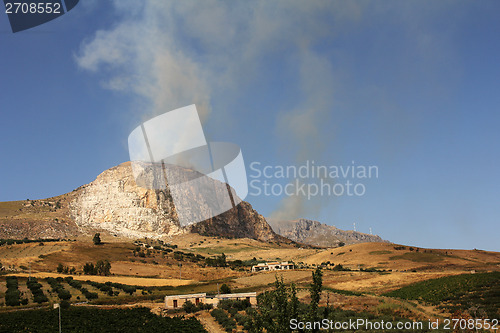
pixel 319 234
pixel 114 203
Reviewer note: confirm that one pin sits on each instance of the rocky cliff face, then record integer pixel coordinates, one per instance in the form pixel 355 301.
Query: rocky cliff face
pixel 239 222
pixel 114 202
pixel 315 233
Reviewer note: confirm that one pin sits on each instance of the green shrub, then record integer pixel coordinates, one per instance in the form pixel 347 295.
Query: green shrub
pixel 224 289
pixel 222 318
pixel 189 307
pixel 36 290
pixel 12 295
pixel 65 304
pixel 40 299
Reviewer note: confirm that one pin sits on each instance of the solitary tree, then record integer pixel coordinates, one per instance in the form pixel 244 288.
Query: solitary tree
pixel 275 309
pixel 224 289
pixel 315 292
pixel 97 239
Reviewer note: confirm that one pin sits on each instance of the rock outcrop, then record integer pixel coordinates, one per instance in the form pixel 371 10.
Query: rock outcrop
pixel 114 202
pixel 319 234
pixel 241 221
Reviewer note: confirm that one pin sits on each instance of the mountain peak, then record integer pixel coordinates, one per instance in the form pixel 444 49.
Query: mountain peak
pixel 114 203
pixel 315 233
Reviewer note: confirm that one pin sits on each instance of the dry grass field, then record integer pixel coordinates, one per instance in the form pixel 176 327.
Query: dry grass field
pixel 171 270
pixel 369 270
pixel 242 249
pixel 406 258
pixel 32 250
pixel 403 264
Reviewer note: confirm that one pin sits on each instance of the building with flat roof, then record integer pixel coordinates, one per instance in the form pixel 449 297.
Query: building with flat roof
pixel 272 266
pixel 177 301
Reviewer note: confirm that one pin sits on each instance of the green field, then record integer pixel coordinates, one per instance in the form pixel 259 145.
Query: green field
pixel 478 294
pixel 83 319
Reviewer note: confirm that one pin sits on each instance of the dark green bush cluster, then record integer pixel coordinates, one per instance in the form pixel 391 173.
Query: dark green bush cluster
pixel 219 261
pixel 36 289
pixel 88 294
pixel 104 287
pixel 26 241
pixel 102 267
pixel 179 255
pixel 86 319
pixel 65 269
pixel 339 267
pixel 229 324
pixel 241 319
pixel 74 283
pixel 78 285
pixel 238 305
pixel 13 295
pixel 189 307
pixel 108 287
pixel 225 289
pixel 57 287
pixel 126 288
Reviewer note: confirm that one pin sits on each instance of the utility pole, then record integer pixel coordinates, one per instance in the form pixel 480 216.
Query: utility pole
pixel 58 306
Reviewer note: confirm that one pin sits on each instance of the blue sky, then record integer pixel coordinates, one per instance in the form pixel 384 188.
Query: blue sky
pixel 411 87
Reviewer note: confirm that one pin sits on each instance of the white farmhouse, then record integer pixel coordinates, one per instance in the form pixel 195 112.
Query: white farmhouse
pixel 272 266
